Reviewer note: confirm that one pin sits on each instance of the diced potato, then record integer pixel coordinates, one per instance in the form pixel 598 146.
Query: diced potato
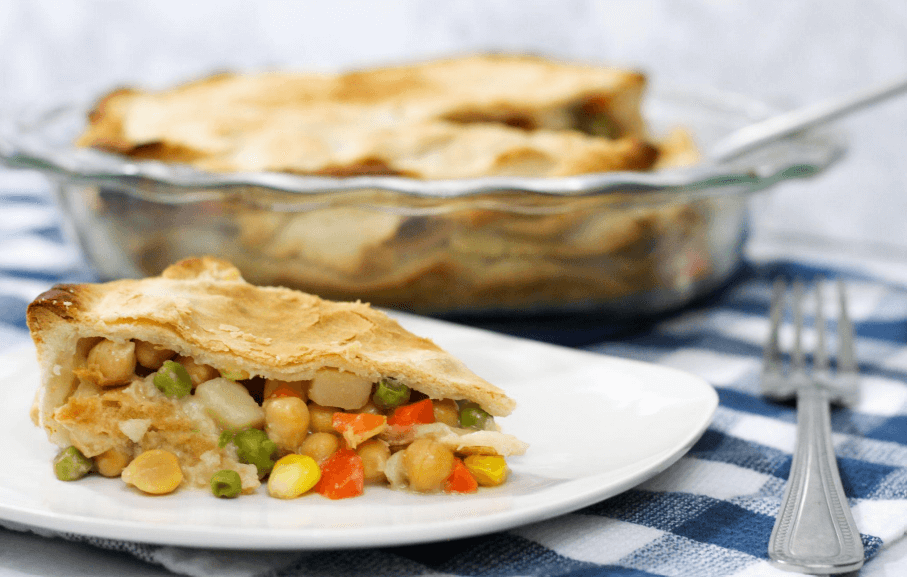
pixel 230 404
pixel 334 388
pixel 135 429
pixel 395 471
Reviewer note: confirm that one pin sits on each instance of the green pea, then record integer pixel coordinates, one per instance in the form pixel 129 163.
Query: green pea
pixel 255 448
pixel 70 464
pixel 226 484
pixel 173 380
pixel 390 394
pixel 472 417
pixel 225 438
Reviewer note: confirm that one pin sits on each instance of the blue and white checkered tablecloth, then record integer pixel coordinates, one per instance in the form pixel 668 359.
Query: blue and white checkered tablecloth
pixel 709 514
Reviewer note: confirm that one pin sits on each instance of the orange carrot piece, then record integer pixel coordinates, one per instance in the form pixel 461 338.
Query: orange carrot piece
pixel 283 390
pixel 460 479
pixel 357 427
pixel 342 475
pixel 422 412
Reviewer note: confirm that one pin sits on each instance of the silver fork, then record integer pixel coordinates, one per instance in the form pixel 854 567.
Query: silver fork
pixel 815 531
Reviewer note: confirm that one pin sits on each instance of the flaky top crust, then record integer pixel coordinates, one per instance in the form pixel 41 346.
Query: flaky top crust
pixel 417 120
pixel 204 309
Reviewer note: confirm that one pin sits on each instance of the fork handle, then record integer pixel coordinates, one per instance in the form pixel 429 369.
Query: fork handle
pixel 815 531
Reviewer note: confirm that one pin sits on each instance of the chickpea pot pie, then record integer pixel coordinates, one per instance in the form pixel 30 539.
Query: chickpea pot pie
pixel 198 378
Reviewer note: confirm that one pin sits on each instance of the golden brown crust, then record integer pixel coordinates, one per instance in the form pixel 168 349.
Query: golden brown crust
pixel 202 308
pixel 106 122
pixel 454 118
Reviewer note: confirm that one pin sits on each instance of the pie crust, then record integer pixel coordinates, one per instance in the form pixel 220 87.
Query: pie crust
pixel 202 309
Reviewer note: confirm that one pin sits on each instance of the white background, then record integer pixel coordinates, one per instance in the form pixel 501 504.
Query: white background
pixel 791 53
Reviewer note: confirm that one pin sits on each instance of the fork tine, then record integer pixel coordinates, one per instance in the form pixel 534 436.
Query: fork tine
pixel 847 379
pixel 797 359
pixel 773 349
pixel 846 354
pixel 772 378
pixel 820 355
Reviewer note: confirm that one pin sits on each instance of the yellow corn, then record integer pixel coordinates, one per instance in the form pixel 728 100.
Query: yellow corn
pixel 156 471
pixel 292 476
pixel 489 471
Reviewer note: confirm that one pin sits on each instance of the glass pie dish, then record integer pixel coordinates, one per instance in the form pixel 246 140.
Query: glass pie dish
pixel 619 243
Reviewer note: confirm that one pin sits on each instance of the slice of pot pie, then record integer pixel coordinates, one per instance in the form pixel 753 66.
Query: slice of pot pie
pixel 199 378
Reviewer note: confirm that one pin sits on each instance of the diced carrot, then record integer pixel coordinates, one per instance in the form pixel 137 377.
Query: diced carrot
pixel 284 390
pixel 342 475
pixel 421 412
pixel 358 427
pixel 460 479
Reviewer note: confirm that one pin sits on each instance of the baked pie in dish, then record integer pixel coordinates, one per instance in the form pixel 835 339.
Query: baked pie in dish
pixel 454 120
pixel 245 166
pixel 198 378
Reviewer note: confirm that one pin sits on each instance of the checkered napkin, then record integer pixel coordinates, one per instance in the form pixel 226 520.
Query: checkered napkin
pixel 709 514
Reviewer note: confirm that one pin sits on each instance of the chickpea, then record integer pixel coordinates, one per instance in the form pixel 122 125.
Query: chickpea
pixel 111 462
pixel 320 446
pixel 151 356
pixel 370 408
pixel 110 363
pixel 374 454
pixel 156 471
pixel 286 422
pixel 427 464
pixel 198 373
pixel 84 346
pixel 447 412
pixel 320 418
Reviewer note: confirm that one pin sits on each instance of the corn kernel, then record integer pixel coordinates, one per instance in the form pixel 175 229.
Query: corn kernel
pixel 292 476
pixel 489 471
pixel 156 471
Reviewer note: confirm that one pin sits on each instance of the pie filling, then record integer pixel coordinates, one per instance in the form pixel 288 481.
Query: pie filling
pixel 159 419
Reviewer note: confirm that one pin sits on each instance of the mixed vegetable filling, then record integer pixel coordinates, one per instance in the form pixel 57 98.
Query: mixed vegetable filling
pixel 332 434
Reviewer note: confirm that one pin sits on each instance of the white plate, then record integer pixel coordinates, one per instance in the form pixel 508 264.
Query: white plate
pixel 596 425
